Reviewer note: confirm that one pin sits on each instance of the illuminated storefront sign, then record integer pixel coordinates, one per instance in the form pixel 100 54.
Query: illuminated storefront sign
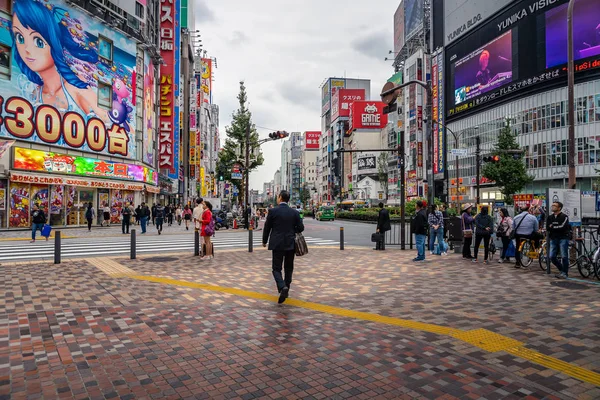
pixel 41 161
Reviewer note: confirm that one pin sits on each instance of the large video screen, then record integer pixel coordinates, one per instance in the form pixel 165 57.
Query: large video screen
pixel 485 69
pixel 586 32
pixel 506 57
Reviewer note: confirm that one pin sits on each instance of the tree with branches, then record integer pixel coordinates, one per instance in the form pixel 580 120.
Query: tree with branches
pixel 510 172
pixel 234 150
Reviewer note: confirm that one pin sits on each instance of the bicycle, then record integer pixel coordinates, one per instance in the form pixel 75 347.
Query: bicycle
pixel 583 259
pixel 529 251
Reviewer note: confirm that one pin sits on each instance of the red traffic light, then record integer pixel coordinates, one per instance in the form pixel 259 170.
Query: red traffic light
pixel 278 135
pixel 491 159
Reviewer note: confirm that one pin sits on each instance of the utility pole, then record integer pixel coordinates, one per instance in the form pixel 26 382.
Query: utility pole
pixel 571 96
pixel 477 164
pixel 247 169
pixel 402 191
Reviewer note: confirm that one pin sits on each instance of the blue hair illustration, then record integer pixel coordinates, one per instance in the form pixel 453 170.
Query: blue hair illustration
pixel 35 15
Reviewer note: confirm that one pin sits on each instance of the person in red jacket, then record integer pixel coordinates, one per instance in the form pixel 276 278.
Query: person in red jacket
pixel 207 229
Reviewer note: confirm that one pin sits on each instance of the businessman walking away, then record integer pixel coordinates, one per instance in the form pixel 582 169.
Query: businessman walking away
pixel 280 231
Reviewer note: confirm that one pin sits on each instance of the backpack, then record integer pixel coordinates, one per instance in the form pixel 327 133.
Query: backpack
pixel 88 213
pixel 209 230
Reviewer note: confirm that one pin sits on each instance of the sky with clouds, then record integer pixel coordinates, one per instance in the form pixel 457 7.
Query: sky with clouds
pixel 284 50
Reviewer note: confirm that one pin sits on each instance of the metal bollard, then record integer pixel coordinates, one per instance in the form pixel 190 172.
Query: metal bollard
pixel 196 242
pixel 133 245
pixel 341 238
pixel 250 240
pixel 57 247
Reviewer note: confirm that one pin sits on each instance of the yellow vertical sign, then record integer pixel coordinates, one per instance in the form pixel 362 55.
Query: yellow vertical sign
pixel 203 189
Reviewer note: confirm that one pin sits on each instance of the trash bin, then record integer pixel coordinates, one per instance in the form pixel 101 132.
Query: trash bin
pixel 455 233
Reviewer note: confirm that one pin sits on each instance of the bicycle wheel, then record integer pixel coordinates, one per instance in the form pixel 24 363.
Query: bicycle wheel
pixel 542 258
pixel 525 249
pixel 584 265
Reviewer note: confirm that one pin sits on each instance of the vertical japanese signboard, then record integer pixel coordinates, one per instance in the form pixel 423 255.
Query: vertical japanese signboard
pixel 441 137
pixel 166 143
pixel 206 75
pixel 177 117
pixel 434 111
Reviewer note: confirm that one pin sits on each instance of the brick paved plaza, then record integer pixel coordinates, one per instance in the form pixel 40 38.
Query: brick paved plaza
pixel 358 324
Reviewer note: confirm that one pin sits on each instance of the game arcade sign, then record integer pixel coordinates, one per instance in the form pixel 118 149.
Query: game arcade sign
pixel 367 115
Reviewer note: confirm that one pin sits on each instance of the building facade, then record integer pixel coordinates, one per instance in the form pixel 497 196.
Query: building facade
pixel 336 96
pixel 490 80
pixel 84 131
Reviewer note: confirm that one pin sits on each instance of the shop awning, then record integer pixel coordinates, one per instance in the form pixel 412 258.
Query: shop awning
pixel 81 182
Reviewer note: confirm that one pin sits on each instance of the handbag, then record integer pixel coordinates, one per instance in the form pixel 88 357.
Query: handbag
pixel 376 237
pixel 301 247
pixel 467 233
pixel 510 250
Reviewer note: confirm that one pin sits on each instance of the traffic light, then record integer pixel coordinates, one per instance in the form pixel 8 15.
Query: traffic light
pixel 278 135
pixel 221 178
pixel 491 159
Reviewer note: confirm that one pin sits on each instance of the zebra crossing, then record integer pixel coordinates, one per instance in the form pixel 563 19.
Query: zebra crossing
pixel 113 246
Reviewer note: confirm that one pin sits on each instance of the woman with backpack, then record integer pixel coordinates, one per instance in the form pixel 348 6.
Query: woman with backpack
pixel 484 227
pixel 90 214
pixel 187 216
pixel 208 229
pixel 503 232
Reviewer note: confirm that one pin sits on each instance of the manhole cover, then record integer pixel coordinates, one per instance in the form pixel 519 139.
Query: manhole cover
pixel 161 259
pixel 570 285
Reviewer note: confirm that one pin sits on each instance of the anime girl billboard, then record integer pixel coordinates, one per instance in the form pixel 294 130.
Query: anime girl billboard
pixel 71 82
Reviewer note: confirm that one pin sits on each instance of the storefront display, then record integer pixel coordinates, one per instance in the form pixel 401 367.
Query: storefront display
pixel 19 205
pixel 3 192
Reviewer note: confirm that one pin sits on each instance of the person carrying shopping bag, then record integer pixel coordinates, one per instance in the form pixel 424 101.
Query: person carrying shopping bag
pixel 208 230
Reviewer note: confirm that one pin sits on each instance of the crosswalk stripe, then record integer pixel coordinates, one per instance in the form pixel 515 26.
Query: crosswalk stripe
pixel 92 247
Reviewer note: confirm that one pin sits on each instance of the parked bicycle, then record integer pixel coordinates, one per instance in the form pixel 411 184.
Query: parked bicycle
pixel 584 259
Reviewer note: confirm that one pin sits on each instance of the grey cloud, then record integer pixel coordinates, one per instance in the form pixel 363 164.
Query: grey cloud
pixel 299 95
pixel 202 12
pixel 374 45
pixel 238 38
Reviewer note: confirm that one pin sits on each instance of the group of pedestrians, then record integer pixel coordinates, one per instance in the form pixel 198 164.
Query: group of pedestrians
pixel 432 223
pixel 527 225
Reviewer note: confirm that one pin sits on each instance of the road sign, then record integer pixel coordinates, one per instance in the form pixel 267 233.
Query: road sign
pixel 571 199
pixel 459 152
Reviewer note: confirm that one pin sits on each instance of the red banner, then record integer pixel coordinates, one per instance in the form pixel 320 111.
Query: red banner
pixel 311 140
pixel 340 102
pixel 166 148
pixel 367 115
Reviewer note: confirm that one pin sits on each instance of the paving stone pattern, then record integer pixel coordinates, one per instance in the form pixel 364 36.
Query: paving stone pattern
pixel 71 331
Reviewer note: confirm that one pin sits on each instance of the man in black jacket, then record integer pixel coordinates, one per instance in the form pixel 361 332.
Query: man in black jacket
pixel 419 228
pixel 383 225
pixel 559 229
pixel 281 225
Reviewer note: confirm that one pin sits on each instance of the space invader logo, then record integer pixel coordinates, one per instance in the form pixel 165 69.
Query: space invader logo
pixel 371 117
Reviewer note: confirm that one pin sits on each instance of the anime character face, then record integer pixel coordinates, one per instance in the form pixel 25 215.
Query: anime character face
pixel 32 47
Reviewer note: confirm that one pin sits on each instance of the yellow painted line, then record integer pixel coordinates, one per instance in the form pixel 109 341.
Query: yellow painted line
pixel 482 338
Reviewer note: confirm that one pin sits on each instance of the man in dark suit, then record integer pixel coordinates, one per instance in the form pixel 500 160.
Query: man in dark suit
pixel 282 225
pixel 383 225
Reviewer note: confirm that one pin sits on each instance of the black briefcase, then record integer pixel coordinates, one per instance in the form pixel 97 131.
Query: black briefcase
pixel 376 237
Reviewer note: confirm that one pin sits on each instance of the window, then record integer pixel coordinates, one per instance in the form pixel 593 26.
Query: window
pixel 104 95
pixel 5 5
pixel 139 10
pixel 105 48
pixel 4 62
